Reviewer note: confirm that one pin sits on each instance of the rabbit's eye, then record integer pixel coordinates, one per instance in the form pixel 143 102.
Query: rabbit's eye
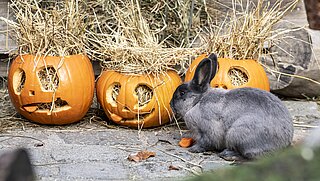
pixel 182 93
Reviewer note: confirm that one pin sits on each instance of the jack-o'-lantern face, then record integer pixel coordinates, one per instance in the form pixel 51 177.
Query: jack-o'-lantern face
pixel 48 84
pixel 51 90
pixel 137 100
pixel 233 74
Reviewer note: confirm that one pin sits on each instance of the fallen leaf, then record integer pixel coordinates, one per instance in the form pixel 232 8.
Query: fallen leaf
pixel 171 167
pixel 134 158
pixel 141 155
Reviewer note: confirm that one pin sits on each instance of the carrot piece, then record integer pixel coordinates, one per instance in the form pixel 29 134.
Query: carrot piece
pixel 186 142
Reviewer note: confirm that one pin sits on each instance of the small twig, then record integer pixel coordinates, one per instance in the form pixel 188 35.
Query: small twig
pixel 160 140
pixel 305 126
pixel 190 170
pixel 127 148
pixel 17 136
pixel 60 163
pixel 49 164
pixel 180 158
pixel 290 75
pixel 190 21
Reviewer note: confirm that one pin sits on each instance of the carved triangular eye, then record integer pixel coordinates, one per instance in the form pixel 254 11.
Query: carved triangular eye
pixel 238 76
pixel 19 79
pixel 49 79
pixel 144 95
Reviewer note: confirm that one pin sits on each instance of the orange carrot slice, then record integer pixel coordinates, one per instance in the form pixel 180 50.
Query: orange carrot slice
pixel 186 142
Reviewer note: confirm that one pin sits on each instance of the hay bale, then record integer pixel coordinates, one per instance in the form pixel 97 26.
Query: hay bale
pixel 48 27
pixel 177 22
pixel 132 46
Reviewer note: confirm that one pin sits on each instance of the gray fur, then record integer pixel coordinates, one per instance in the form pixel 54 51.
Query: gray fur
pixel 248 121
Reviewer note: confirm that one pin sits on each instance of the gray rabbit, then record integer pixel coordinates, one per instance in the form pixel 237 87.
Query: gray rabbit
pixel 242 123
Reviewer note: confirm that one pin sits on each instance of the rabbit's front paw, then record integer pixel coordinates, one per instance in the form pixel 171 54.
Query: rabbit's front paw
pixel 196 149
pixel 230 155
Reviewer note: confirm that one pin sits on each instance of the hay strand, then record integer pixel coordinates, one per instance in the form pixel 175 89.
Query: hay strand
pixel 132 46
pixel 53 28
pixel 176 22
pixel 247 29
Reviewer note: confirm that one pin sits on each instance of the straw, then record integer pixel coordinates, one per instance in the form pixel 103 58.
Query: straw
pixel 48 27
pixel 132 47
pixel 176 22
pixel 247 29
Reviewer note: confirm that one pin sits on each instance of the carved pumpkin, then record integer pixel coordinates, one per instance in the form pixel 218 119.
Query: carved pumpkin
pixel 234 74
pixel 138 101
pixel 51 90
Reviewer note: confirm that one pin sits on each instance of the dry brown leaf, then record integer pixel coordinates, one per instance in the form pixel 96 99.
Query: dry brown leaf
pixel 141 155
pixel 171 167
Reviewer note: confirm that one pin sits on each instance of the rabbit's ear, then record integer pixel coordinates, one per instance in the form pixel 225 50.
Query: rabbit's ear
pixel 202 76
pixel 214 60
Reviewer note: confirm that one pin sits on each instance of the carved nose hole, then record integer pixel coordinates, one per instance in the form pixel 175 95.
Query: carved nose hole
pixel 31 93
pixel 224 87
pixel 216 86
pixel 125 109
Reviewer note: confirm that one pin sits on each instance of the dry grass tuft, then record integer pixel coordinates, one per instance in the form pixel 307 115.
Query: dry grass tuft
pixel 176 22
pixel 247 29
pixel 48 27
pixel 132 47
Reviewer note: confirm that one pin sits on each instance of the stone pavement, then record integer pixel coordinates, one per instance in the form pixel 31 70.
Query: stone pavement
pixel 102 153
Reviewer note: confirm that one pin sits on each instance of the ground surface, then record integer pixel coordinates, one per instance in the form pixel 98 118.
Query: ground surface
pixel 94 149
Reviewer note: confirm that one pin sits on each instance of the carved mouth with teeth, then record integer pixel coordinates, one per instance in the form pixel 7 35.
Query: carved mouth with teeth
pixel 56 106
pixel 142 93
pixel 139 117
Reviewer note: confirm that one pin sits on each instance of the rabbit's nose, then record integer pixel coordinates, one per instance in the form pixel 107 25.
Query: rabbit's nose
pixel 220 86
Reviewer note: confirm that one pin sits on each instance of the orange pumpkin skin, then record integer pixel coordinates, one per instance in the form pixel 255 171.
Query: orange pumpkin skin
pixel 124 110
pixel 257 77
pixel 75 87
